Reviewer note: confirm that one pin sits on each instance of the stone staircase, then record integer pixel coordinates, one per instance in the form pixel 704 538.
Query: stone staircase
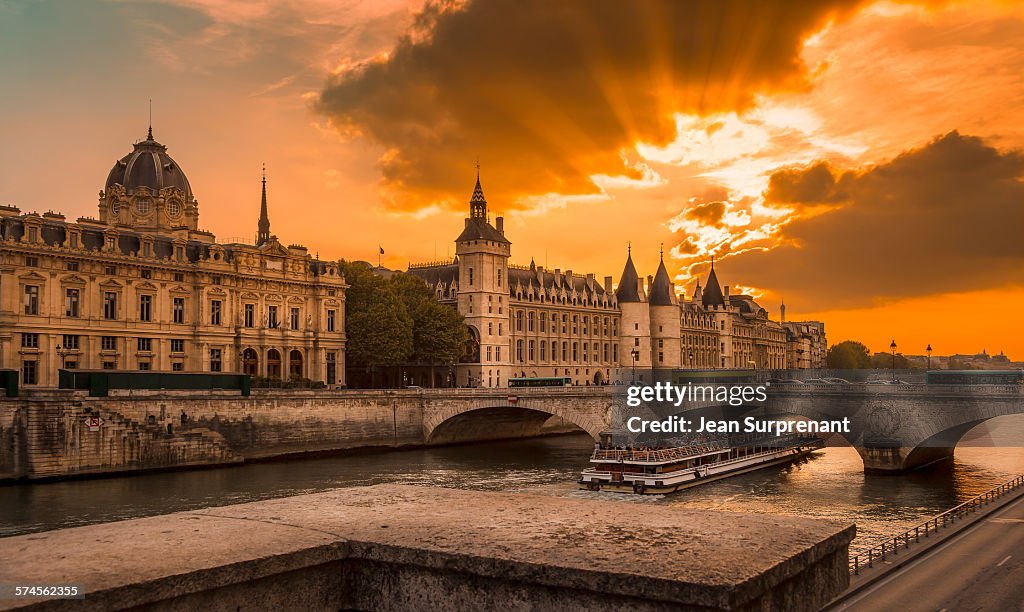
pixel 61 443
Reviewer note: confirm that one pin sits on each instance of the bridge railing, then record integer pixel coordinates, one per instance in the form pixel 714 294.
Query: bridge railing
pixel 891 546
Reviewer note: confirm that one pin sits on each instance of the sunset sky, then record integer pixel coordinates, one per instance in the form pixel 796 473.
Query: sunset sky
pixel 861 159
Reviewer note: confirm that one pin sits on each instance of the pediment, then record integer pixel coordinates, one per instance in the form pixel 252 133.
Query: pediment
pixel 31 276
pixel 110 284
pixel 180 289
pixel 146 286
pixel 250 296
pixel 72 279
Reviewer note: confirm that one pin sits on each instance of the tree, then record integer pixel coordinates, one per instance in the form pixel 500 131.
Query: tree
pixel 377 326
pixel 884 361
pixel 848 355
pixel 439 333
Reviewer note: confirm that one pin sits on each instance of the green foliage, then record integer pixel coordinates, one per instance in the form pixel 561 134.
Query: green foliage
pixel 439 333
pixel 884 361
pixel 377 326
pixel 848 355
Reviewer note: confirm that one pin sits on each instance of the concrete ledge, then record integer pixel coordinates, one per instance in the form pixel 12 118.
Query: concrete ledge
pixel 392 547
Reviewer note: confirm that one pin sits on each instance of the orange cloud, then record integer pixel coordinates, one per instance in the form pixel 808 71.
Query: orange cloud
pixel 550 95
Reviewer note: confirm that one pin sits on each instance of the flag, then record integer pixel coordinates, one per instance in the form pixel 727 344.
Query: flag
pixel 381 250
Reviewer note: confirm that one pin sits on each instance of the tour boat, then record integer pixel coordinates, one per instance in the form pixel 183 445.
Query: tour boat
pixel 668 469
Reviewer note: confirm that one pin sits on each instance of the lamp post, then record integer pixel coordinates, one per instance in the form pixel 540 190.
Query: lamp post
pixel 929 351
pixel 63 354
pixel 892 347
pixel 691 360
pixel 635 354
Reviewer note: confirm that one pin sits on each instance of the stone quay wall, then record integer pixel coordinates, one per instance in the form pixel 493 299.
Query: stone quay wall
pixel 395 547
pixel 56 434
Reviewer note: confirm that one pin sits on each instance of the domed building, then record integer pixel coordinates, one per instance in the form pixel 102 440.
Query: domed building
pixel 148 189
pixel 144 288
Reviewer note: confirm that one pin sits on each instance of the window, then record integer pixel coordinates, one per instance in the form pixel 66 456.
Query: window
pixel 108 365
pixel 31 299
pixel 215 312
pixel 147 249
pixel 294 318
pixel 519 350
pixel 31 261
pixel 145 308
pixel 73 241
pixel 179 254
pixel 490 328
pixel 272 317
pixel 215 360
pixel 110 270
pixel 177 366
pixel 330 320
pixel 250 315
pixel 178 310
pixel 110 243
pixel 147 273
pixel 179 277
pixel 215 279
pixel 145 344
pixel 30 341
pixel 108 343
pixel 144 365
pixel 332 367
pixel 471 277
pixel 71 342
pixel 28 373
pixel 71 303
pixel 109 305
pixel 177 345
pixel 33 233
pixel 488 354
pixel 332 292
pixel 497 353
pixel 530 350
pixel 72 266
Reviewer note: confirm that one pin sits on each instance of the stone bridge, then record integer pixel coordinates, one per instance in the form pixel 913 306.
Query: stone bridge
pixel 480 414
pixel 895 428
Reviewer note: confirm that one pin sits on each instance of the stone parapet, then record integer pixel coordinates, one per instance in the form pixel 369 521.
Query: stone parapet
pixel 415 548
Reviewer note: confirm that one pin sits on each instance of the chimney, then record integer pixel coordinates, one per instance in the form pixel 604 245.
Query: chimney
pixel 608 284
pixel 726 295
pixel 558 276
pixel 467 221
pixel 650 283
pixel 499 223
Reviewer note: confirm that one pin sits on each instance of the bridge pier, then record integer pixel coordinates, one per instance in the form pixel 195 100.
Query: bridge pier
pixel 901 459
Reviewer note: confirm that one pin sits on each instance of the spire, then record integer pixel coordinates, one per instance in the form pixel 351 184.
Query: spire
pixel 263 235
pixel 662 293
pixel 477 203
pixel 149 134
pixel 782 310
pixel 712 295
pixel 628 289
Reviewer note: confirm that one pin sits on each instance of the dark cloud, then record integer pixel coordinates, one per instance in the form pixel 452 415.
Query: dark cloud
pixel 710 213
pixel 946 217
pixel 804 186
pixel 548 93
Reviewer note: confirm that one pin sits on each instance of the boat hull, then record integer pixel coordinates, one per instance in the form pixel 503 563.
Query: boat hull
pixel 670 484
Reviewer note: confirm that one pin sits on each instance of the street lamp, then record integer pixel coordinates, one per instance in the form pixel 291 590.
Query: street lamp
pixel 929 351
pixel 63 354
pixel 691 360
pixel 892 347
pixel 635 354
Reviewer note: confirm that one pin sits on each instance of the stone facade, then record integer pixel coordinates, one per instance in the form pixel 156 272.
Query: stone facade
pixel 143 288
pixel 528 322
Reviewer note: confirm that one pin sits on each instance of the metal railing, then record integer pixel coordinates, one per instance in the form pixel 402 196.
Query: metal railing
pixel 891 546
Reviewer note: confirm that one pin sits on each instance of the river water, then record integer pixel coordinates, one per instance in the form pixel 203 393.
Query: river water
pixel 829 484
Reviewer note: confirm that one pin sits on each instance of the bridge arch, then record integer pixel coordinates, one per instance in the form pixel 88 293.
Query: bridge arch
pixel 500 419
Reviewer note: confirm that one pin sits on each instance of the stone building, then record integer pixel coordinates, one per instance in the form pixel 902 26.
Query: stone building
pixel 143 288
pixel 528 322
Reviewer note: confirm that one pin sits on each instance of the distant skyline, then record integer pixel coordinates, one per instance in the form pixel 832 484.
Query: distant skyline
pixel 860 159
